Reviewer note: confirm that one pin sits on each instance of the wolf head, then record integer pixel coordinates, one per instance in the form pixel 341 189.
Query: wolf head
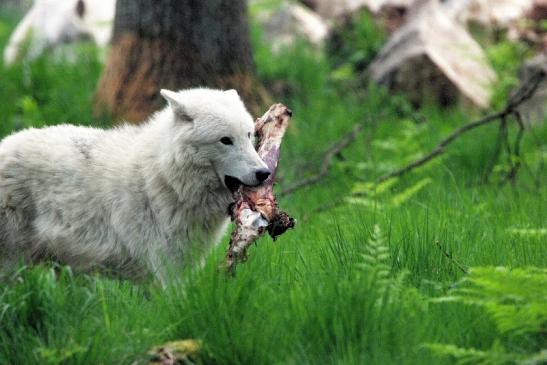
pixel 220 131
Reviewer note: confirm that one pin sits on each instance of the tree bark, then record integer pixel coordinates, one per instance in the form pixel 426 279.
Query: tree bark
pixel 176 44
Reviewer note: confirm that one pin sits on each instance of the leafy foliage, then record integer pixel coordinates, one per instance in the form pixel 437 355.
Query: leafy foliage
pixel 52 89
pixel 506 57
pixel 515 300
pixel 497 355
pixel 408 193
pixel 354 46
pixel 336 290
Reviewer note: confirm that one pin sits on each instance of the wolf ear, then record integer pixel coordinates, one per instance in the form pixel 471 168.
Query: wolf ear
pixel 232 92
pixel 175 104
pixel 80 9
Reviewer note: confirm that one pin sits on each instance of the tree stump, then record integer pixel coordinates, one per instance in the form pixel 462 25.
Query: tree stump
pixel 176 44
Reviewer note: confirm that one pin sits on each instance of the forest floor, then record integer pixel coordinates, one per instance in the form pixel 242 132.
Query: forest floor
pixel 438 266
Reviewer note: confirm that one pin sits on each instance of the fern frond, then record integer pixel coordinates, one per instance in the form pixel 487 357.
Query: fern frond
pixel 515 298
pixel 375 265
pixel 408 193
pixel 375 256
pixel 497 355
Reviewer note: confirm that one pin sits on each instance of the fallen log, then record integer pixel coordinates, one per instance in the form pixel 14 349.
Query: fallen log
pixel 434 58
pixel 255 210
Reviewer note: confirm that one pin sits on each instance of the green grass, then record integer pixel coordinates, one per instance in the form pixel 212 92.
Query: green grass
pixel 42 92
pixel 334 290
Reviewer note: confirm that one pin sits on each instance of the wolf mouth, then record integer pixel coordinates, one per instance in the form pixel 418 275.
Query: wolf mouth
pixel 232 183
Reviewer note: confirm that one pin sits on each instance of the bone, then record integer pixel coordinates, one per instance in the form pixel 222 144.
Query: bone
pixel 255 211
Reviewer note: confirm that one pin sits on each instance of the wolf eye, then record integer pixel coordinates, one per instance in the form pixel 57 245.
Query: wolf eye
pixel 226 140
pixel 249 135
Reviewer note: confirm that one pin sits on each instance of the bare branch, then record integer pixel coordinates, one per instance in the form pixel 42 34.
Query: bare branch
pixel 334 150
pixel 525 92
pixel 440 147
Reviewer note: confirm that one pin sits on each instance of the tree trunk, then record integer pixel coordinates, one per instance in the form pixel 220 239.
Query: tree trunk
pixel 176 44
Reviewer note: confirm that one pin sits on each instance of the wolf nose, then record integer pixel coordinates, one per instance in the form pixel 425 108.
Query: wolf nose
pixel 262 174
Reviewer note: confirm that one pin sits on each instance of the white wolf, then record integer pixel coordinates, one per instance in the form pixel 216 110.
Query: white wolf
pixel 52 22
pixel 128 198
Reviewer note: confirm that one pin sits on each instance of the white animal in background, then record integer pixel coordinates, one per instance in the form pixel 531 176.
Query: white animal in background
pixel 500 13
pixel 52 22
pixel 284 26
pixel 134 199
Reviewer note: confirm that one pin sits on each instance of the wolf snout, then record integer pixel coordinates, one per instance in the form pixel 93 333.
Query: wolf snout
pixel 262 175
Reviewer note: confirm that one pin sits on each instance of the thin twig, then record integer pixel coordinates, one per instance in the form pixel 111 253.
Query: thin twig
pixel 452 259
pixel 507 144
pixel 334 150
pixel 496 155
pixel 516 150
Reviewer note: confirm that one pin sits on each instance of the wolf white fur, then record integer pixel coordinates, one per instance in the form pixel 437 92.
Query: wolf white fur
pixel 128 199
pixel 52 22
